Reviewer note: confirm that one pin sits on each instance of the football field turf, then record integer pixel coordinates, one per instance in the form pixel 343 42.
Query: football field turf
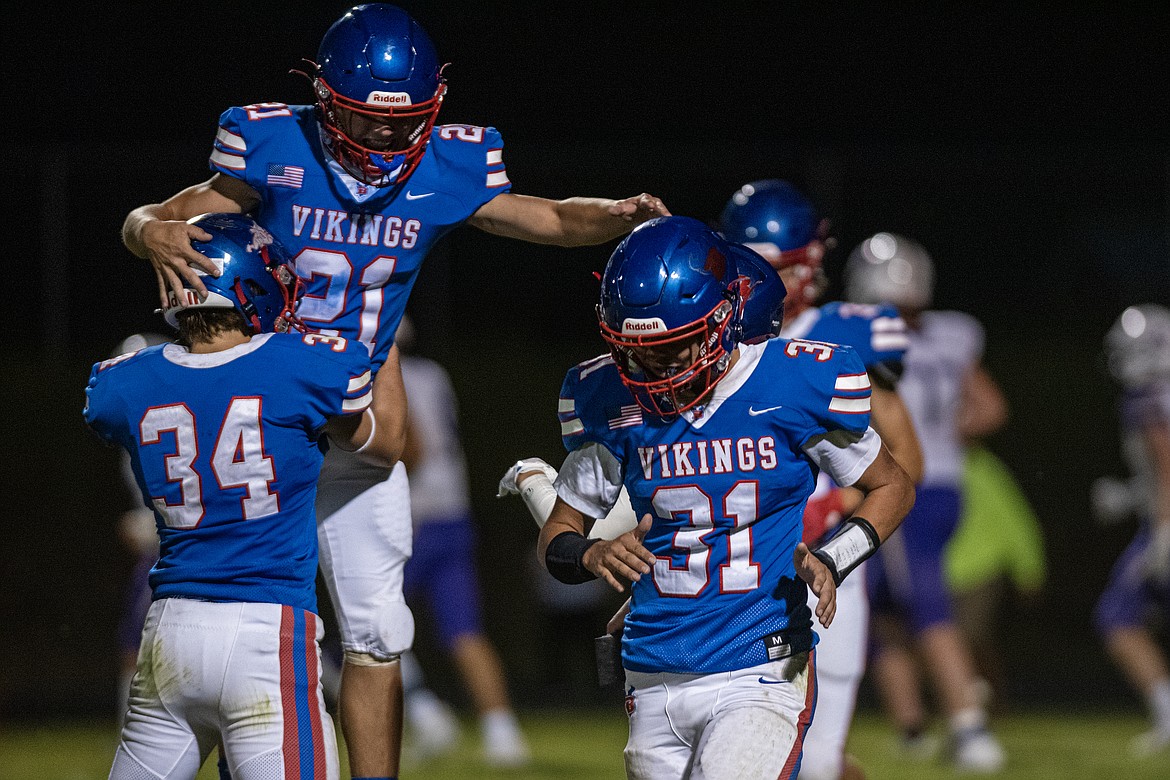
pixel 581 746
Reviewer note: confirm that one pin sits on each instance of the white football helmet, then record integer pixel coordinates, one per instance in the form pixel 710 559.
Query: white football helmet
pixel 1138 345
pixel 889 268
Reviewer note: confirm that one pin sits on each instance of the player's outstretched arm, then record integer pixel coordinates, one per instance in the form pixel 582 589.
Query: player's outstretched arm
pixel 569 222
pixel 159 232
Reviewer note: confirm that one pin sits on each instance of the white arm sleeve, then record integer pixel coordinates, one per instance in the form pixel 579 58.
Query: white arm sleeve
pixel 844 460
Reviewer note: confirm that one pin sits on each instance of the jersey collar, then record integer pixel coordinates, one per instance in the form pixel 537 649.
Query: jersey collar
pixel 178 354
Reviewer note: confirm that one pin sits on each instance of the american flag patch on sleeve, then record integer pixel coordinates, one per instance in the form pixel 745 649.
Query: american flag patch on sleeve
pixel 285 175
pixel 623 416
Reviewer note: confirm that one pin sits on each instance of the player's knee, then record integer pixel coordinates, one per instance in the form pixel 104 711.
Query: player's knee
pixel 392 635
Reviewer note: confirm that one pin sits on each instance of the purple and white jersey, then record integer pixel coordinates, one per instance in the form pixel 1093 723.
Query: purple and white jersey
pixel 1141 409
pixel 943 350
pixel 727 488
pixel 358 248
pixel 438 482
pixel 224 447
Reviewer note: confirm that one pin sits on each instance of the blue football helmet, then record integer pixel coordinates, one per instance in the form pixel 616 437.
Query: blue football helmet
pixel 762 294
pixel 669 311
pixel 777 221
pixel 379 85
pixel 256 279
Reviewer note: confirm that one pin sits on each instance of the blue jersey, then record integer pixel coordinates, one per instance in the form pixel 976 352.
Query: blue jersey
pixel 358 248
pixel 877 333
pixel 224 449
pixel 726 489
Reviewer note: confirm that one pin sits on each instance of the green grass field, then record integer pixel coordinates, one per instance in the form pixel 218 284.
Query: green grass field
pixel 566 746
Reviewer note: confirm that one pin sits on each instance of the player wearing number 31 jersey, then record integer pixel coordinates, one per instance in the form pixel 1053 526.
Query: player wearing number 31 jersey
pixel 718 444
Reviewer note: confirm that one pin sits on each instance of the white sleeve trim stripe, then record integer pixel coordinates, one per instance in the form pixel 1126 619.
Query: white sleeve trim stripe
pixel 495 156
pixel 231 140
pixel 572 427
pixel 849 405
pixel 888 324
pixel 497 179
pixel 888 342
pixel 358 382
pixel 356 404
pixel 232 162
pixel 566 405
pixel 849 383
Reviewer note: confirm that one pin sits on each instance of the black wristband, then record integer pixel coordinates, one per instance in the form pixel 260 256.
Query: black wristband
pixel 565 558
pixel 856 539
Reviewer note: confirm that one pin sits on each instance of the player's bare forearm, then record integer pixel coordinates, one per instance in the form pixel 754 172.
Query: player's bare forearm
pixel 889 494
pixel 569 222
pixel 564 518
pixel 390 408
pixel 891 419
pixel 159 232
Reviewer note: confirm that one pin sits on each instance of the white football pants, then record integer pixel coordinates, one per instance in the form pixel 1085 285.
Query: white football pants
pixel 246 674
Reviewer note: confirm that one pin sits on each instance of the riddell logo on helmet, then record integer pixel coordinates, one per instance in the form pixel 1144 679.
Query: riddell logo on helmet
pixel 652 325
pixel 388 98
pixel 190 298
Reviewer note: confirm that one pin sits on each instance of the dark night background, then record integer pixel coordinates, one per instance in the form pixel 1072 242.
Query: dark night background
pixel 1027 149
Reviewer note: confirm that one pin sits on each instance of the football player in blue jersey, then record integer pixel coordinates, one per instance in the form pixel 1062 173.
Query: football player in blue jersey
pixel 717 443
pixel 223 429
pixel 951 398
pixel 1137 596
pixel 781 224
pixel 359 186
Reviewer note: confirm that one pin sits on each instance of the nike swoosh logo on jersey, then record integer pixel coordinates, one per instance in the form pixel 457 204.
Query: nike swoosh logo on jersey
pixel 753 411
pixel 411 196
pixel 766 681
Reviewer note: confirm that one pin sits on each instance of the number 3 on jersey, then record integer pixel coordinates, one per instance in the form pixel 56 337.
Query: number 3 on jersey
pixel 238 460
pixel 740 510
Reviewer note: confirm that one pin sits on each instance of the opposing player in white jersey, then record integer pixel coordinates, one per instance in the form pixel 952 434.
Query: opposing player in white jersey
pixel 950 397
pixel 1137 595
pixel 715 442
pixel 442 573
pixel 359 187
pixel 776 220
pixel 224 431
